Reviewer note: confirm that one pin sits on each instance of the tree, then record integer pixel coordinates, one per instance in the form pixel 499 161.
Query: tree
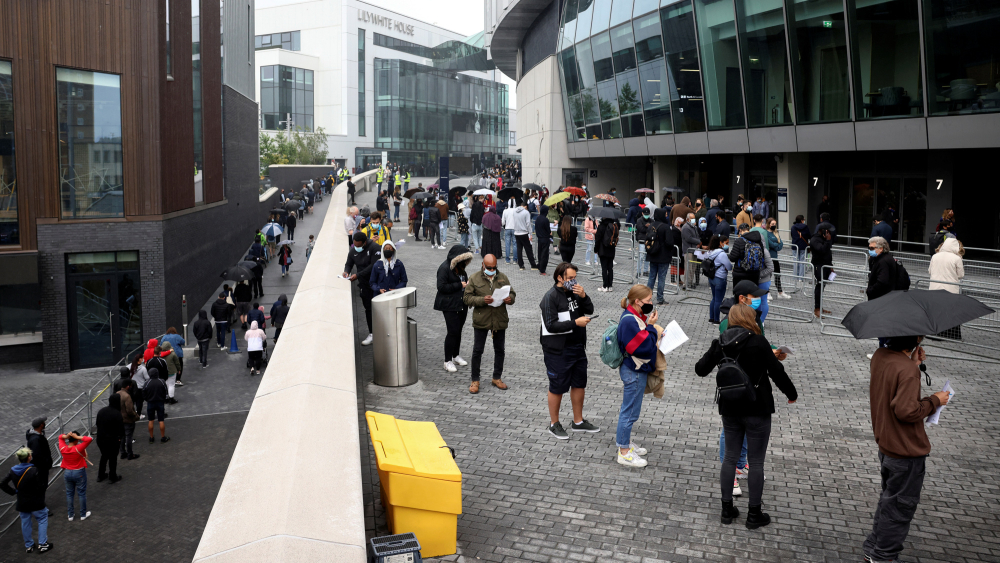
pixel 299 147
pixel 628 100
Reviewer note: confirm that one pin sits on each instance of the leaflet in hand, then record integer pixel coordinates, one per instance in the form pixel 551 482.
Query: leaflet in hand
pixel 933 418
pixel 786 350
pixel 673 336
pixel 499 294
pixel 400 242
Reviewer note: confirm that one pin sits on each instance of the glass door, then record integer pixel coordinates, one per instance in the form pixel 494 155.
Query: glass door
pixel 92 338
pixel 104 305
pixel 574 177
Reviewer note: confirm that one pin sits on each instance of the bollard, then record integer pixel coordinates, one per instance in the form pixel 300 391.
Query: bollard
pixel 184 316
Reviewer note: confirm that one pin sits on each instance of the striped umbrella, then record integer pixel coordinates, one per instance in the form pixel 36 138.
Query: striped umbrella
pixel 272 230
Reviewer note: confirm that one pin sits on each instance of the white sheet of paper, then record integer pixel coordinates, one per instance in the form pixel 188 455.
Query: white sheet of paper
pixel 499 294
pixel 564 316
pixel 673 336
pixel 936 415
pixel 400 242
pixel 833 276
pixel 701 254
pixel 786 349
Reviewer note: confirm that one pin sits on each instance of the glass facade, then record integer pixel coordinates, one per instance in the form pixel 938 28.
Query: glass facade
pixel 438 113
pixel 9 230
pixel 649 67
pixel 361 82
pixel 285 92
pixel 89 117
pixel 289 41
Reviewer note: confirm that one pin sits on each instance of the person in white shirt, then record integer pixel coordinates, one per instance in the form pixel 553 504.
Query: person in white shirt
pixel 507 221
pixel 255 346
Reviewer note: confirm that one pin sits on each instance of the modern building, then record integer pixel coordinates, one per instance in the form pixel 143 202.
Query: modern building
pixel 128 170
pixel 377 81
pixel 876 104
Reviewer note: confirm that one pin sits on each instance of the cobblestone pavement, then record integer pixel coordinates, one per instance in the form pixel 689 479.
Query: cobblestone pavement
pixel 529 497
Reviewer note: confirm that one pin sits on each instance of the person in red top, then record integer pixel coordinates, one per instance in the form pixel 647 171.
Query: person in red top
pixel 73 449
pixel 149 351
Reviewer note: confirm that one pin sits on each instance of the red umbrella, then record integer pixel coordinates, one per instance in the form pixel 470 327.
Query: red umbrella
pixel 607 197
pixel 645 191
pixel 575 191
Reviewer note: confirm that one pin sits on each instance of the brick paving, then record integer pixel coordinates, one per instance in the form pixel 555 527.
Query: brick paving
pixel 529 497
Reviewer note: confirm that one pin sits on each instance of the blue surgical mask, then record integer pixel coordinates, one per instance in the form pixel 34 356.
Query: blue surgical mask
pixel 755 303
pixel 872 253
pixel 490 273
pixel 358 248
pixel 726 248
pixel 703 225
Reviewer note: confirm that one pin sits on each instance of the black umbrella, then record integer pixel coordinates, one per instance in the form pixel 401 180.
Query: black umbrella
pixel 237 273
pixel 508 193
pixel 424 195
pixel 254 267
pixel 409 193
pixel 606 213
pixel 916 312
pixel 532 187
pixel 279 211
pixel 457 191
pixel 292 205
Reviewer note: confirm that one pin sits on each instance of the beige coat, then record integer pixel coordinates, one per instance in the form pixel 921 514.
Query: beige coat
pixel 654 381
pixel 946 266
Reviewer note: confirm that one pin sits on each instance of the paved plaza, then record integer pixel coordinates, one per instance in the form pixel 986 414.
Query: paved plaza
pixel 530 497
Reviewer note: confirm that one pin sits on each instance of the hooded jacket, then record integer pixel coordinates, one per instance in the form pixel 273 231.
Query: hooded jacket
pixel 450 275
pixel 881 275
pixel 129 414
pixel 543 229
pixel 156 389
pixel 556 332
pixel 680 210
pixel 25 481
pixel 159 364
pixel 242 293
pixel 946 266
pixel 388 274
pixel 754 355
pixel 663 248
pixel 633 211
pixel 41 456
pixel 110 424
pixel 800 235
pixel 177 341
pixel 152 342
pixel 255 338
pixel 257 316
pixel 173 362
pixel 279 311
pixel 202 328
pixel 220 312
pixel 738 250
pixel 485 316
pixel 364 261
pixel 822 253
pixel 522 221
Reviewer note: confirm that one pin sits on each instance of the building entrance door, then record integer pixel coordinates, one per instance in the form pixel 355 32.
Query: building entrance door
pixel 105 313
pixel 576 177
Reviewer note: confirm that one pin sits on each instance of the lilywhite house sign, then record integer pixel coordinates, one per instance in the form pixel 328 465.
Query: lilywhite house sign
pixel 388 23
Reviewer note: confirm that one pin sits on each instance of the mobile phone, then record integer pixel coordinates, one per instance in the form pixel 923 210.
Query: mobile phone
pixel 594 316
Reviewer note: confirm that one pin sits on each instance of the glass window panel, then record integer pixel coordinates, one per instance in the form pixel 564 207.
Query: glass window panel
pixel 721 64
pixel 257 42
pixel 266 75
pixel 765 62
pixel 309 79
pixel 266 100
pixel 655 96
pixel 20 308
pixel 630 104
pixel 265 39
pixel 286 37
pixel 128 260
pixel 300 101
pixel 300 76
pixel 914 213
pixel 601 17
pixel 644 7
pixel 91 262
pixel 683 70
pixel 603 67
pixel 819 61
pixel 622 49
pixel 9 230
pixel 89 118
pixel 621 12
pixel 196 113
pixel 607 95
pixel 585 62
pixel 570 90
pixel 591 110
pixel 886 49
pixel 585 11
pixel 296 41
pixel 571 72
pixel 569 23
pixel 862 207
pixel 963 56
pixel 648 43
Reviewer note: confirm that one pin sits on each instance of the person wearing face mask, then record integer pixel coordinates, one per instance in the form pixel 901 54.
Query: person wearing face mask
pixel 488 318
pixel 637 341
pixel 703 233
pixel 745 216
pixel 376 231
pixel 718 248
pixel 690 241
pixel 363 256
pixel 388 273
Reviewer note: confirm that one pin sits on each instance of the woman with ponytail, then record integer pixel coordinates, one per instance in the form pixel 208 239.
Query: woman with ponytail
pixel 637 340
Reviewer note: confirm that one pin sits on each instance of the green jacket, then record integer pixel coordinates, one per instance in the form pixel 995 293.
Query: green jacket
pixel 173 362
pixel 484 316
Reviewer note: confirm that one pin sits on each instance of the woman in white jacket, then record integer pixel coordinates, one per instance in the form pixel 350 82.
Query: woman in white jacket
pixel 946 266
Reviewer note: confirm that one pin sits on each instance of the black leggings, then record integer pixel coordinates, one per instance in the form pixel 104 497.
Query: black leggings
pixel 567 253
pixel 607 270
pixel 777 275
pixel 757 430
pixel 366 301
pixel 455 321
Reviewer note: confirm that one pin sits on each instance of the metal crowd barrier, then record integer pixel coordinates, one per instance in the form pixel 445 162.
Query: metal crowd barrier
pixel 838 296
pixel 979 334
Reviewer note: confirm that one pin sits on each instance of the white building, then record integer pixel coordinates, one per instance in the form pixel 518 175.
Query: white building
pixel 376 80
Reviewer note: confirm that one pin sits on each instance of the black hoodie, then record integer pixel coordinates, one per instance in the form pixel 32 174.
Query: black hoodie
pixel 754 355
pixel 202 328
pixel 663 248
pixel 364 261
pixel 110 425
pixel 542 226
pixel 450 275
pixel 155 390
pixel 279 311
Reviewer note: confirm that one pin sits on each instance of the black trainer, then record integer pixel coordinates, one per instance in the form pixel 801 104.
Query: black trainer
pixel 584 426
pixel 43 547
pixel 756 518
pixel 165 439
pixel 558 431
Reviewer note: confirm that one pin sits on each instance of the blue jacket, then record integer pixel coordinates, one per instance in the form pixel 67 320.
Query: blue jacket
pixel 633 211
pixel 176 341
pixel 800 236
pixel 393 279
pixel 883 230
pixel 256 315
pixel 630 345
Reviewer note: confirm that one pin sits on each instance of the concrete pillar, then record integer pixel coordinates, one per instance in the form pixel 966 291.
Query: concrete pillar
pixel 664 176
pixel 793 175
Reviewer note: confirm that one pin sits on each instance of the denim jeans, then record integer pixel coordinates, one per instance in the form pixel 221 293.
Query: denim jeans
pixel 800 269
pixel 657 274
pixel 443 230
pixel 465 239
pixel 590 252
pixel 722 450
pixel 76 482
pixel 641 265
pixel 477 236
pixel 203 352
pixel 635 386
pixel 757 431
pixel 220 332
pixel 510 245
pixel 718 294
pixel 396 216
pixel 763 300
pixel 284 269
pixel 43 526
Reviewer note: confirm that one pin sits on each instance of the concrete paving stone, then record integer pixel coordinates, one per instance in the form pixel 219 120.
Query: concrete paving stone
pixel 822 462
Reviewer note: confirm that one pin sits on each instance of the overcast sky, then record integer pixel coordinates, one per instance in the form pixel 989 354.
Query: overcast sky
pixel 461 16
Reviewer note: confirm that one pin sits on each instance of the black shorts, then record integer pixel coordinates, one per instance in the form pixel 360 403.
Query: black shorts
pixel 242 308
pixel 566 370
pixel 155 410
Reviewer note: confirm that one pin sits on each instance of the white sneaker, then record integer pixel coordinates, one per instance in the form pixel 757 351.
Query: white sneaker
pixel 70 518
pixel 450 366
pixel 870 356
pixel 742 473
pixel 367 341
pixel 586 263
pixel 784 296
pixel 458 360
pixel 84 516
pixel 737 491
pixel 769 297
pixel 637 448
pixel 631 459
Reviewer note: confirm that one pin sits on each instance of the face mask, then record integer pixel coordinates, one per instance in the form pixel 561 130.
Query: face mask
pixel 569 284
pixel 647 308
pixel 726 248
pixel 691 222
pixel 755 303
pixel 389 254
pixel 703 226
pixel 490 273
pixel 872 253
pixel 358 248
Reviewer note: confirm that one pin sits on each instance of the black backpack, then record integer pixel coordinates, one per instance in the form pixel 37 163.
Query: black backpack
pixel 709 267
pixel 902 276
pixel 732 384
pixel 650 241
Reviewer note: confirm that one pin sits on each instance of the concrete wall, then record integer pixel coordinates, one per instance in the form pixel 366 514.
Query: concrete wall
pixel 541 127
pixel 289 176
pixel 277 501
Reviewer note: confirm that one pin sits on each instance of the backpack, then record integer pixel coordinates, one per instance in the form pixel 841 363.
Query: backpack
pixel 611 353
pixel 732 384
pixel 709 267
pixel 753 257
pixel 611 235
pixel 531 207
pixel 651 243
pixel 935 241
pixel 902 276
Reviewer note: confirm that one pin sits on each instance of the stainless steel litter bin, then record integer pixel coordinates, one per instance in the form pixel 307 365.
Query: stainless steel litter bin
pixel 395 338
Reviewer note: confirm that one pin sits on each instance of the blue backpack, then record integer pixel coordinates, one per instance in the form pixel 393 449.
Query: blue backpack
pixel 753 257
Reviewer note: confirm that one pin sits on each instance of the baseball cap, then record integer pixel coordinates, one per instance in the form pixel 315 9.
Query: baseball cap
pixel 38 421
pixel 747 287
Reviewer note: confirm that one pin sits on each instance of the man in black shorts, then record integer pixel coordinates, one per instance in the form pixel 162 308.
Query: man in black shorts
pixel 155 394
pixel 564 339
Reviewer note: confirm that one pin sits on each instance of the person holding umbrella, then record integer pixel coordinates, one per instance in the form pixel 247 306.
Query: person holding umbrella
pixel 285 257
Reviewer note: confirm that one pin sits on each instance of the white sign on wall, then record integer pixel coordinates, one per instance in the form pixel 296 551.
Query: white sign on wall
pixel 388 23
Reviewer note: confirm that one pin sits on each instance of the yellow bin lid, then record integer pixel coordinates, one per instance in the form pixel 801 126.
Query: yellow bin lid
pixel 411 448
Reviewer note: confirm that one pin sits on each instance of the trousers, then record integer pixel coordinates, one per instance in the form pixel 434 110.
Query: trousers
pixel 109 461
pixel 543 253
pixel 902 480
pixel 125 447
pixel 479 346
pixel 607 270
pixel 757 431
pixel 454 321
pixel 524 243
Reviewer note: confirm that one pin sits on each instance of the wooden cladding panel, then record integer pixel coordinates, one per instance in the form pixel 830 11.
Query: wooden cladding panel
pixel 111 36
pixel 211 98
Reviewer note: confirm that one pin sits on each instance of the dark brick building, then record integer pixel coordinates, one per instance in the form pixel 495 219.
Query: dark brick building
pixel 128 170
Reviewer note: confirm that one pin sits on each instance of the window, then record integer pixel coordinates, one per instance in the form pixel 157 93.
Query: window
pixel 885 46
pixel 286 91
pixel 289 41
pixel 89 119
pixel 9 229
pixel 684 72
pixel 513 138
pixel 721 63
pixel 819 61
pixel 765 62
pixel 361 82
pixel 963 56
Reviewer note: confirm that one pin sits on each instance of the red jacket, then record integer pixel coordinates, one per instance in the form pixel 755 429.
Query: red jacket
pixel 74 457
pixel 148 352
